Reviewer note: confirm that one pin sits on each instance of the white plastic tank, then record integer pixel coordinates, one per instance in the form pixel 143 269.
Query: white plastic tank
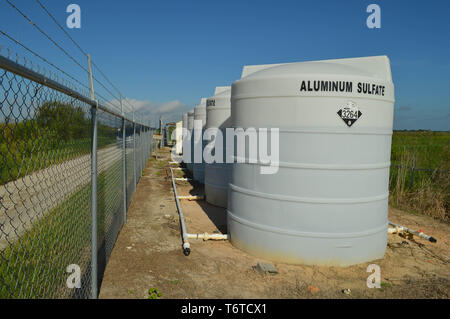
pixel 188 155
pixel 179 137
pixel 184 121
pixel 328 202
pixel 217 174
pixel 199 143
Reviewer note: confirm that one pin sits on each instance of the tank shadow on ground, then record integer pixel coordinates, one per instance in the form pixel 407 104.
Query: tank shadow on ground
pixel 217 215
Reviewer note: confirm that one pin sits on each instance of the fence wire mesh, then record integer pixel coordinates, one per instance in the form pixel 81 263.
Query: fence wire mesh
pixel 109 185
pixel 129 160
pixel 45 186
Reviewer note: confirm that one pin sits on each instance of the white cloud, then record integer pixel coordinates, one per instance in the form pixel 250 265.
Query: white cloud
pixel 137 104
pixel 129 104
pixel 170 106
pixel 170 111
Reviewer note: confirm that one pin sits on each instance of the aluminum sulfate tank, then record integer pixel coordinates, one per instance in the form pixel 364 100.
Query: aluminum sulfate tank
pixel 217 175
pixel 328 202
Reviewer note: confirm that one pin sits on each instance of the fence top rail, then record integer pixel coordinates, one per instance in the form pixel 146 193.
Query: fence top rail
pixel 24 72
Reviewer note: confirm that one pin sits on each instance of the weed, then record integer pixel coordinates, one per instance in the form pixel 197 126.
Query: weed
pixel 160 164
pixel 385 285
pixel 153 293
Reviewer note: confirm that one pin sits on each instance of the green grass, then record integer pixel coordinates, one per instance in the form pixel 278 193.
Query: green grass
pixel 430 149
pixel 35 265
pixel 429 193
pixel 22 158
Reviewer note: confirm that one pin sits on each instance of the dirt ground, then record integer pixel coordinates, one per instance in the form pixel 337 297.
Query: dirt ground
pixel 148 255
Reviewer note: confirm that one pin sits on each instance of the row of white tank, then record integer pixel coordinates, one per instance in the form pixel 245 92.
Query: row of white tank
pixel 328 202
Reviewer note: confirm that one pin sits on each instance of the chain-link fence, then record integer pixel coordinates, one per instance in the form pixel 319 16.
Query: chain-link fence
pixel 68 168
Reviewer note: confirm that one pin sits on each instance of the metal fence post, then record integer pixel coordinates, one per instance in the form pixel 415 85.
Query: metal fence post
pixel 142 150
pixel 147 147
pixel 124 165
pixel 134 152
pixel 94 204
pixel 94 249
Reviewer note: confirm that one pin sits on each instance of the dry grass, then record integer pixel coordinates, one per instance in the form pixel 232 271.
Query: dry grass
pixel 429 194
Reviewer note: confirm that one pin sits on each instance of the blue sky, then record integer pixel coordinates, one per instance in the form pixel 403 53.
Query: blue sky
pixel 169 54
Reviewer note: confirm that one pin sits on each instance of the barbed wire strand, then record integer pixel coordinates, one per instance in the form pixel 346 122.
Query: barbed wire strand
pixel 61 27
pixel 46 35
pixel 106 78
pixel 43 59
pixel 53 65
pixel 61 48
pixel 79 47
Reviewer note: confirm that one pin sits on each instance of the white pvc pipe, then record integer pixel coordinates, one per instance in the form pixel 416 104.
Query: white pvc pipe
pixel 402 229
pixel 185 235
pixel 191 197
pixel 183 179
pixel 186 245
pixel 392 230
pixel 207 236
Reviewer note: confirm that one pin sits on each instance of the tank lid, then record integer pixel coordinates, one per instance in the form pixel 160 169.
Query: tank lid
pixel 224 91
pixel 377 67
pixel 202 104
pixel 220 89
pixel 250 69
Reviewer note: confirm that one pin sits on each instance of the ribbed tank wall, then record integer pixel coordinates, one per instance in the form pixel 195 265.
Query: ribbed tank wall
pixel 199 144
pixel 328 202
pixel 217 174
pixel 184 120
